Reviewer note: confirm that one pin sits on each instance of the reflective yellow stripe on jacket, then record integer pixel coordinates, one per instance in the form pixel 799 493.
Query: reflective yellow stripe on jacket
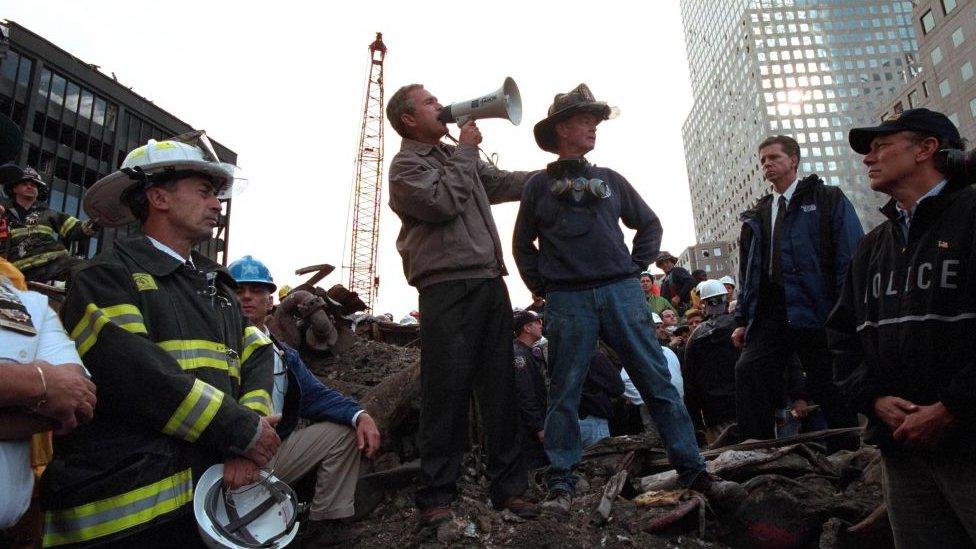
pixel 126 316
pixel 39 259
pixel 67 226
pixel 195 413
pixel 117 513
pixel 258 400
pixel 254 339
pixel 33 229
pixel 200 353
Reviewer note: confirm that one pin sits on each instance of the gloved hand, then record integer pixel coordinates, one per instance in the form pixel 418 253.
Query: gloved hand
pixel 90 227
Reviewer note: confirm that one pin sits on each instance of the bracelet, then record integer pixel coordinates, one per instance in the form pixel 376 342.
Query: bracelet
pixel 42 400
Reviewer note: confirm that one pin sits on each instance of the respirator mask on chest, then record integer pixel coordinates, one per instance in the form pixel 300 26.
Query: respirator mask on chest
pixel 571 181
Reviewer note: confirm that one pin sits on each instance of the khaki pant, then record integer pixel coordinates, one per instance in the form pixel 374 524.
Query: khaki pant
pixel 332 448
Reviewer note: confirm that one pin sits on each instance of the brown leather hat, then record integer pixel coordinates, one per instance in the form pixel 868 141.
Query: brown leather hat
pixel 565 105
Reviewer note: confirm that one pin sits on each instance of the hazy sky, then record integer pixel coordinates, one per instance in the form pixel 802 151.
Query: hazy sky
pixel 282 84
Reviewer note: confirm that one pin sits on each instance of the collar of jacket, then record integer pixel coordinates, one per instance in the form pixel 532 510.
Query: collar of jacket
pixel 930 207
pixel 803 186
pixel 423 149
pixel 11 205
pixel 158 263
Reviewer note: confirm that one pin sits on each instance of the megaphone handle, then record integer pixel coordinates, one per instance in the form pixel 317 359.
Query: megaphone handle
pixel 462 120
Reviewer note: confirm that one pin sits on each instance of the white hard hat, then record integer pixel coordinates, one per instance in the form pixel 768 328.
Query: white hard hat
pixel 727 280
pixel 103 201
pixel 711 288
pixel 656 318
pixel 263 514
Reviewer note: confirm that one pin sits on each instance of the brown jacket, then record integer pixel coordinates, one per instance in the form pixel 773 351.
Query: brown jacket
pixel 443 195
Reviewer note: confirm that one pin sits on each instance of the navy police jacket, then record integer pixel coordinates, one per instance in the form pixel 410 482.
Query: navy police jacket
pixel 307 398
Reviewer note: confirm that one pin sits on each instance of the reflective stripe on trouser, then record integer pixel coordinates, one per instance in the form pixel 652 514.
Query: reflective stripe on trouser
pixel 254 339
pixel 85 332
pixel 118 513
pixel 201 353
pixel 32 261
pixel 195 413
pixel 258 400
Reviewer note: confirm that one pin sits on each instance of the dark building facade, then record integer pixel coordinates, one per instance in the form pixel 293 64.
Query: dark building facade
pixel 79 124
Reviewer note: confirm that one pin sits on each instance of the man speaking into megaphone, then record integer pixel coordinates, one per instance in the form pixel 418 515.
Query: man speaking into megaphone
pixel 453 256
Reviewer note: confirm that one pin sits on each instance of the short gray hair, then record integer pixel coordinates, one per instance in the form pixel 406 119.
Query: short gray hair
pixel 399 105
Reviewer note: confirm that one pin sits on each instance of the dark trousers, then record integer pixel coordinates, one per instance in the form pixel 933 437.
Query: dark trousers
pixel 760 373
pixel 466 347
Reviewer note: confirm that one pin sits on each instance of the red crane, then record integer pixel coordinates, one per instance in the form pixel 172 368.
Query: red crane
pixel 369 183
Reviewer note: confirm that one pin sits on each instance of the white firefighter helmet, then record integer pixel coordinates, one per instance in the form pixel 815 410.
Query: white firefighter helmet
pixel 711 288
pixel 727 280
pixel 263 514
pixel 187 153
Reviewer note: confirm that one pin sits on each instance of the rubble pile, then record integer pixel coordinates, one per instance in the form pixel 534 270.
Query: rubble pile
pixel 799 496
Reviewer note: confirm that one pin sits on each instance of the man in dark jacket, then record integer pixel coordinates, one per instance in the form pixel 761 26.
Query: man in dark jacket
pixel 677 283
pixel 453 256
pixel 184 381
pixel 590 280
pixel 320 428
pixel 603 383
pixel 530 384
pixel 902 332
pixel 793 253
pixel 37 234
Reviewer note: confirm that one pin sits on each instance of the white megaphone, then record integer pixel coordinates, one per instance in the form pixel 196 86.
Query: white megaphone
pixel 505 102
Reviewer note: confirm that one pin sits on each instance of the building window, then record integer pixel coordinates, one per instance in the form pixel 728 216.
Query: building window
pixel 954 118
pixel 899 108
pixel 928 22
pixel 966 70
pixel 948 5
pixel 972 107
pixel 925 88
pixel 717 252
pixel 944 88
pixel 913 99
pixel 958 37
pixel 936 55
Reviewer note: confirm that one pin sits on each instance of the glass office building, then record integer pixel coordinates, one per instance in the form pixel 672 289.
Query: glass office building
pixel 808 69
pixel 79 124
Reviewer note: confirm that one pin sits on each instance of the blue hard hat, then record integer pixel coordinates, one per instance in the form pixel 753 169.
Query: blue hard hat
pixel 248 270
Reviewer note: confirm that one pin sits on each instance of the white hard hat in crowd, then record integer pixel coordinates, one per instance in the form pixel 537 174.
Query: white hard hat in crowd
pixel 656 318
pixel 103 201
pixel 727 280
pixel 263 514
pixel 711 288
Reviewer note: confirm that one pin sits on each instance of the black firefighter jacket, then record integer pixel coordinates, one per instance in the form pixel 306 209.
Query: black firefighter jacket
pixel 906 318
pixel 182 379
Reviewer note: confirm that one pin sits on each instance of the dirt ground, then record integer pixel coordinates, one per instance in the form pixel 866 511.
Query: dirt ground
pixel 798 496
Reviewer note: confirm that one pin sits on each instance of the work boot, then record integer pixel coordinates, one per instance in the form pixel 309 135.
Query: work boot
pixel 521 508
pixel 432 516
pixel 722 494
pixel 558 502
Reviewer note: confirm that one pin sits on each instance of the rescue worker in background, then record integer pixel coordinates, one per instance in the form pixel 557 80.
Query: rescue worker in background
pixel 677 283
pixel 184 381
pixel 902 332
pixel 794 249
pixel 590 279
pixel 531 386
pixel 453 256
pixel 320 428
pixel 708 369
pixel 37 235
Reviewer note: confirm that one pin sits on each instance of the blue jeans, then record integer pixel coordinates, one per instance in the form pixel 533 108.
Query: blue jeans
pixel 616 313
pixel 592 430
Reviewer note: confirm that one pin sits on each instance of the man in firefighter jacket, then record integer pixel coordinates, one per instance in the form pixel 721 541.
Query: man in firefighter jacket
pixel 37 235
pixel 184 380
pixel 902 331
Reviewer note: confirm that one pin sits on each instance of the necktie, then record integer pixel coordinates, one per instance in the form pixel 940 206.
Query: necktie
pixel 775 272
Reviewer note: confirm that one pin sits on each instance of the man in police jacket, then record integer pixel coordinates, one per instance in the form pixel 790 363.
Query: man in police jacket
pixel 902 331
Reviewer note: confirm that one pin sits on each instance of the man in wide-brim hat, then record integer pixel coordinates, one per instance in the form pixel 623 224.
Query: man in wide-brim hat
pixel 590 280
